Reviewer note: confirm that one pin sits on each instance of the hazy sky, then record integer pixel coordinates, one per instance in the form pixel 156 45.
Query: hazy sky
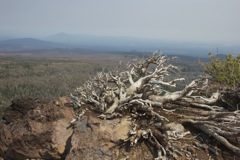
pixel 191 20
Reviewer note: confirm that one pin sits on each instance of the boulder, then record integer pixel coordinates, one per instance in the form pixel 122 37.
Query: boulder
pixel 35 129
pixel 95 138
pixel 41 129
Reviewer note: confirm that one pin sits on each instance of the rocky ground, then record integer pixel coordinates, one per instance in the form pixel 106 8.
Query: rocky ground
pixel 41 129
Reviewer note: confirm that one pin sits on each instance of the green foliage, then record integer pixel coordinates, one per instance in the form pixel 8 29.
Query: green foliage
pixel 225 71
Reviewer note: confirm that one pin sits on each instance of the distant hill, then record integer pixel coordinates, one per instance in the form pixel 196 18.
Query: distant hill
pixel 95 43
pixel 126 44
pixel 62 37
pixel 28 44
pixel 104 43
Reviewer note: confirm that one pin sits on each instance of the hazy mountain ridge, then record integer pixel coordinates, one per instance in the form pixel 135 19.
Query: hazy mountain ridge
pixel 28 44
pixel 120 44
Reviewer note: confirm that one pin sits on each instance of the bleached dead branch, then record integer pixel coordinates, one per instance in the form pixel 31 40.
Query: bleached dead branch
pixel 140 88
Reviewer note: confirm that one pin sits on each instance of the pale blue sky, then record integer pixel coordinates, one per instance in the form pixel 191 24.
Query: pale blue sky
pixel 178 20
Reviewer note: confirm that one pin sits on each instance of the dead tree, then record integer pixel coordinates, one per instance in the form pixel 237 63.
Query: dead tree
pixel 139 91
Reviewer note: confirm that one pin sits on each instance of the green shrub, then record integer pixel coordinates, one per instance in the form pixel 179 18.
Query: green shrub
pixel 225 71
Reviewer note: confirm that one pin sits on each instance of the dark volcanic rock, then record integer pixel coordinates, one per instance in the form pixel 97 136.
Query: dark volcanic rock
pixel 94 138
pixel 35 129
pixel 38 129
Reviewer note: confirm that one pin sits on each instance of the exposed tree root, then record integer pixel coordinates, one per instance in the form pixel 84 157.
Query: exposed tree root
pixel 138 92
